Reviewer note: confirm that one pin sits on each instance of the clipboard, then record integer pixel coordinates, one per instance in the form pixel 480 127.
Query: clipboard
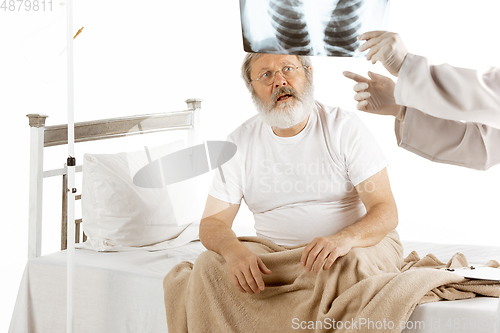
pixel 477 273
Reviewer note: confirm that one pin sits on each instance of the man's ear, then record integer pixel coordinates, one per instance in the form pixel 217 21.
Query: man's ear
pixel 311 70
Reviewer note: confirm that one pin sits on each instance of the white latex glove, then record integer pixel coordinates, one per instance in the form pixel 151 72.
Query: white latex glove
pixel 386 47
pixel 374 95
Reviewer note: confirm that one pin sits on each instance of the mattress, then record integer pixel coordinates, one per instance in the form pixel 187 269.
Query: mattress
pixel 122 292
pixel 115 291
pixel 476 315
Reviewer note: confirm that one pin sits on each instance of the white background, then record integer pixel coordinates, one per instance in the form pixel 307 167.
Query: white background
pixel 145 57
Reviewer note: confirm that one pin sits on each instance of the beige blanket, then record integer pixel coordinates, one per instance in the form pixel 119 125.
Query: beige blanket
pixel 368 290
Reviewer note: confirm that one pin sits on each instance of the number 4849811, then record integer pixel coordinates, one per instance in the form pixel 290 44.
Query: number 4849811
pixel 26 5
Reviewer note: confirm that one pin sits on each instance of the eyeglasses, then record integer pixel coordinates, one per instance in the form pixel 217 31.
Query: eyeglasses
pixel 287 72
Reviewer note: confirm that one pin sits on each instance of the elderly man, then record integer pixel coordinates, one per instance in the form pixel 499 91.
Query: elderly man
pixel 317 184
pixel 306 171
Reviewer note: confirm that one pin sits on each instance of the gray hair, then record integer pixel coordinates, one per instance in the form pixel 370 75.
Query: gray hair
pixel 246 67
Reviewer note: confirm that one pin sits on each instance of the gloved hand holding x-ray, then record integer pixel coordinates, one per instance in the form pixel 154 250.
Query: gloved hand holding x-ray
pixel 386 47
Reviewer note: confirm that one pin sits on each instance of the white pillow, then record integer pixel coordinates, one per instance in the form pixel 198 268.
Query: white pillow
pixel 116 213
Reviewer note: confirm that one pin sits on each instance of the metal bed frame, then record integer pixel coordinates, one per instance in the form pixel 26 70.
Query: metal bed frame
pixel 42 136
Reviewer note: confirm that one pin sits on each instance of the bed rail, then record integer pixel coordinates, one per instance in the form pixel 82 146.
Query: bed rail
pixel 42 136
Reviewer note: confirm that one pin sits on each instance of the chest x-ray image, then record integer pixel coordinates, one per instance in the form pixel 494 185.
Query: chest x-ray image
pixel 316 28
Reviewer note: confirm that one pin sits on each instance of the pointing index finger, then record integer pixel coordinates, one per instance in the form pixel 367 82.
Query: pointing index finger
pixel 355 77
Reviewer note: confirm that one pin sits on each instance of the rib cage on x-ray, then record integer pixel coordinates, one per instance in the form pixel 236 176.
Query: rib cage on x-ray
pixel 312 27
pixel 343 28
pixel 289 25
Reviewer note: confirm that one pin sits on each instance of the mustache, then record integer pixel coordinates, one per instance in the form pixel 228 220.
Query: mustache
pixel 284 90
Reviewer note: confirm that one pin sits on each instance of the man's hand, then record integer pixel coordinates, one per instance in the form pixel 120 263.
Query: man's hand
pixel 324 250
pixel 245 269
pixel 374 95
pixel 386 47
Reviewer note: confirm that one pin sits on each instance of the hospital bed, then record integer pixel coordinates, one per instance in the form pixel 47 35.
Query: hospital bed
pixel 121 290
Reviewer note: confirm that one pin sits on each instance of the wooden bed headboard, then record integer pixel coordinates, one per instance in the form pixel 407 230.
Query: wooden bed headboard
pixel 42 136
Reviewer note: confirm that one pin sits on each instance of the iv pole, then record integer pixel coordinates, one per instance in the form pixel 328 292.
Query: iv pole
pixel 71 171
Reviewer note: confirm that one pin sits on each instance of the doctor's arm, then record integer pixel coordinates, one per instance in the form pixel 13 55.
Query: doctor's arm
pixel 381 218
pixel 245 267
pixel 441 91
pixel 449 92
pixel 466 144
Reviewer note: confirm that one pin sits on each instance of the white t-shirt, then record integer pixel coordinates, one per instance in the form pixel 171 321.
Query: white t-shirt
pixel 301 187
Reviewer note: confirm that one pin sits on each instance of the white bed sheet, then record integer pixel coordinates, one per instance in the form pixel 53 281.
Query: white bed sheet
pixel 122 292
pixel 116 291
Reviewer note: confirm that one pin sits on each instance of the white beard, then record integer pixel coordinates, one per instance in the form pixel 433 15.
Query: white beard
pixel 289 113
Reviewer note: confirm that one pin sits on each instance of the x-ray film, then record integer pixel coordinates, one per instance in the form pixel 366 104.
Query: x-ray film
pixel 314 27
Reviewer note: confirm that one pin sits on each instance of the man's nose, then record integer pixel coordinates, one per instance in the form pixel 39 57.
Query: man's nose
pixel 279 80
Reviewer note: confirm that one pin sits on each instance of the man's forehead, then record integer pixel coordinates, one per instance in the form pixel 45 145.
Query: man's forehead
pixel 268 61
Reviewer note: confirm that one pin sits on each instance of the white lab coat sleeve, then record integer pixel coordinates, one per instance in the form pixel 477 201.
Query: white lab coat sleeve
pixel 449 92
pixel 470 145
